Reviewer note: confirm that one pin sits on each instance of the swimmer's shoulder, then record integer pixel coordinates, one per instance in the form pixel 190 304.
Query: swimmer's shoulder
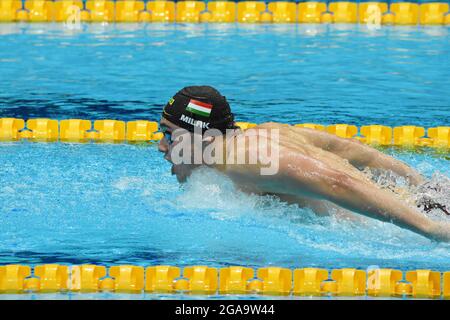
pixel 288 129
pixel 272 125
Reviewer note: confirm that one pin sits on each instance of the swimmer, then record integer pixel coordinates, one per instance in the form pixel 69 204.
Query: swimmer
pixel 316 169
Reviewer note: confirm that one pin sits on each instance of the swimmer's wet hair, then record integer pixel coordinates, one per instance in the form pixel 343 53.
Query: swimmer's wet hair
pixel 199 106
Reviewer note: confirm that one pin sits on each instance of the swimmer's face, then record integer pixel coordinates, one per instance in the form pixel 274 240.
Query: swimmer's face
pixel 166 145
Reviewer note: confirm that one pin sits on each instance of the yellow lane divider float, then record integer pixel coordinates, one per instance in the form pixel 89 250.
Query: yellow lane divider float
pixel 397 13
pixel 228 280
pixel 78 130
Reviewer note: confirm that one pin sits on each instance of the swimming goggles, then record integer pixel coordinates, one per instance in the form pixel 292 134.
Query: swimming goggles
pixel 167 135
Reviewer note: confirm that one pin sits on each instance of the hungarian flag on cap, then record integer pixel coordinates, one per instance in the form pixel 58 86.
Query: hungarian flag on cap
pixel 199 108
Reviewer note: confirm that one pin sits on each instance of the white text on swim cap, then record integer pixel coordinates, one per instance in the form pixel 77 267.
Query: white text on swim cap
pixel 195 123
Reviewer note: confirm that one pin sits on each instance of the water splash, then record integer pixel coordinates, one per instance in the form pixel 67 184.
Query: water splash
pixel 433 196
pixel 212 194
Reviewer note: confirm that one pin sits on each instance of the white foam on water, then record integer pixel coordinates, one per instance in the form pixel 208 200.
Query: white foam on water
pixel 435 191
pixel 211 192
pixel 127 183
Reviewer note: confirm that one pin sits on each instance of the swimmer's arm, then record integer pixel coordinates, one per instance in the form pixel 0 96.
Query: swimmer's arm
pixel 361 155
pixel 303 176
pixel 320 207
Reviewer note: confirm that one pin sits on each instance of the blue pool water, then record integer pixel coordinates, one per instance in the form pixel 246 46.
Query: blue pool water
pixel 115 204
pixel 288 73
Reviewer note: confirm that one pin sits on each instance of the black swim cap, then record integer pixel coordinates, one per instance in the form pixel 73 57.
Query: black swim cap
pixel 199 106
